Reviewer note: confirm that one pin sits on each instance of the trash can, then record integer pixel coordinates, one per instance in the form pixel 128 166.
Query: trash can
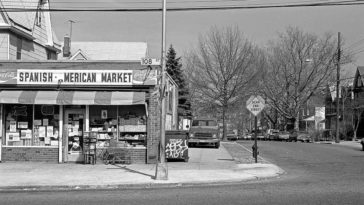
pixel 176 145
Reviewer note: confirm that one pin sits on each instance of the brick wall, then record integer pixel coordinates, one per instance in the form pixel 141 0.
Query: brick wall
pixel 136 155
pixel 153 128
pixel 42 154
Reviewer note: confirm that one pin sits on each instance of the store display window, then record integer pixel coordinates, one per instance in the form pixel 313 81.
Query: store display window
pixel 104 121
pixel 124 125
pixel 133 125
pixel 31 125
pixel 46 125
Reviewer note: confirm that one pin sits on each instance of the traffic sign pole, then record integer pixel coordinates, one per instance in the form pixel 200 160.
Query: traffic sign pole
pixel 255 149
pixel 255 105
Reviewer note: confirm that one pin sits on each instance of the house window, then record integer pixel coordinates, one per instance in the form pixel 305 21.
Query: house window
pixel 19 46
pixel 49 55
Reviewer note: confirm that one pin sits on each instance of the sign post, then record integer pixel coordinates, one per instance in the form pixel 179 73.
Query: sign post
pixel 255 105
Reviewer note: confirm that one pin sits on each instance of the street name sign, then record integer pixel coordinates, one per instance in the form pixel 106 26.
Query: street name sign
pixel 255 104
pixel 150 61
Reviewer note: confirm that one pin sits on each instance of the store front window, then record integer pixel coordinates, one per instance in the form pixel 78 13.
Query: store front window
pixel 104 121
pixel 31 125
pixel 125 125
pixel 133 125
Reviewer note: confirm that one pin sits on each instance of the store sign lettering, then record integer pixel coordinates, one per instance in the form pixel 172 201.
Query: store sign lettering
pixel 75 77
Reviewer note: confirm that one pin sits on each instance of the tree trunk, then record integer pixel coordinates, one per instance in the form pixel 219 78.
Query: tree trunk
pixel 224 123
pixel 297 122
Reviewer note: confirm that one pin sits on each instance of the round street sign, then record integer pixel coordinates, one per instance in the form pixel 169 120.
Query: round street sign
pixel 255 104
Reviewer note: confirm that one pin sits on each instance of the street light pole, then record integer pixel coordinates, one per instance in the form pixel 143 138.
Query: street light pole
pixel 161 172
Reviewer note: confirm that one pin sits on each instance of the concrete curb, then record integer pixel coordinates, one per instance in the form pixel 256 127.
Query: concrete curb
pixel 212 176
pixel 250 172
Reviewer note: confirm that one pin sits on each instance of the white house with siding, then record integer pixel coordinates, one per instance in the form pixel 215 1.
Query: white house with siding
pixel 27 35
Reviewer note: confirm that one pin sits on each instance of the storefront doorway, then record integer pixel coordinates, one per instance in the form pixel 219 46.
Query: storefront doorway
pixel 74 126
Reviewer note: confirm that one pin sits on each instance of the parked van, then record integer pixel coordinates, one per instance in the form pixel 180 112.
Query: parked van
pixel 204 131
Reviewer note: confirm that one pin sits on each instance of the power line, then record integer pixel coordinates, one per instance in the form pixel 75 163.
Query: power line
pixel 99 9
pixel 355 44
pixel 191 1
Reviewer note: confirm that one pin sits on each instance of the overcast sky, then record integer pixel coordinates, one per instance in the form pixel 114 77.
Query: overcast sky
pixel 184 27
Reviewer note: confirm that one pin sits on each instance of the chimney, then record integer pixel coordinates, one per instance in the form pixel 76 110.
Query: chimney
pixel 66 46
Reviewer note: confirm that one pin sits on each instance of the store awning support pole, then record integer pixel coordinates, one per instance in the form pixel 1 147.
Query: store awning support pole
pixel 60 135
pixel 2 136
pixel 161 172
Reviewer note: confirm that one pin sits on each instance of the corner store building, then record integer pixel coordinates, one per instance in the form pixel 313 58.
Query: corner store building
pixel 47 106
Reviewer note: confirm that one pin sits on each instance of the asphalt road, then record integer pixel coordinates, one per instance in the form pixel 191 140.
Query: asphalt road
pixel 316 174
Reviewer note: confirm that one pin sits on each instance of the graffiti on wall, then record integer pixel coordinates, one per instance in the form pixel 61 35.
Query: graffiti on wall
pixel 175 148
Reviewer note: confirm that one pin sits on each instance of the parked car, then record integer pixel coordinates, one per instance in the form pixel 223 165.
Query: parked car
pixel 362 143
pixel 260 136
pixel 247 136
pixel 232 136
pixel 293 136
pixel 283 136
pixel 272 134
pixel 304 137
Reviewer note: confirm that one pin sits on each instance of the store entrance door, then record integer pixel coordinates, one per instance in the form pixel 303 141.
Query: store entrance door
pixel 74 124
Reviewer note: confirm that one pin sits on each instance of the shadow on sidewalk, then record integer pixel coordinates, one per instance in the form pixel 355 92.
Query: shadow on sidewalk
pixel 131 170
pixel 226 159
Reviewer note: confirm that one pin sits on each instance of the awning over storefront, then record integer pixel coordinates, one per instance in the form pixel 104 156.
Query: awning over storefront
pixel 72 97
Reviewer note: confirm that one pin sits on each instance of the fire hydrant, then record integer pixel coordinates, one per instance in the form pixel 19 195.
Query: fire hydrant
pixel 255 151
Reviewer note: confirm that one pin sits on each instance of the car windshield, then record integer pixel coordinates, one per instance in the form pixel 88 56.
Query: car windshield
pixel 204 123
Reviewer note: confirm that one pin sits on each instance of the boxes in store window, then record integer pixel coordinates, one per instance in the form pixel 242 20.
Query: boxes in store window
pixel 142 128
pixel 132 128
pixel 54 142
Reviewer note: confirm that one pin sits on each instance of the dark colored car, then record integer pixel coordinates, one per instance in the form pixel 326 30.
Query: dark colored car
pixel 232 137
pixel 293 137
pixel 362 143
pixel 304 137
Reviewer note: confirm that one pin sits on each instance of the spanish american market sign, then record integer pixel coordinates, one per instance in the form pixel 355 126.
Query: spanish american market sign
pixel 77 77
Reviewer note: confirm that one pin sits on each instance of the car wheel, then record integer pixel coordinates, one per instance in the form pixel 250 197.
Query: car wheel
pixel 217 145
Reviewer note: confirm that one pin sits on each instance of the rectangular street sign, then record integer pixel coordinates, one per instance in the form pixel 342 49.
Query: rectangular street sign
pixel 150 61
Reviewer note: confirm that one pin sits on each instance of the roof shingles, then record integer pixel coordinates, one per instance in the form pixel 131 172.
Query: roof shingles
pixel 110 50
pixel 25 19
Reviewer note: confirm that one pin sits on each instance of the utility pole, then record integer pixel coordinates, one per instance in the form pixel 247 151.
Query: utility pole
pixel 161 172
pixel 337 140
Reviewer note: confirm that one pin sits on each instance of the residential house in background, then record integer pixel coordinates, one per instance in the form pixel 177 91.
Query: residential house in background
pixel 345 104
pixel 358 104
pixel 312 115
pixel 124 51
pixel 27 35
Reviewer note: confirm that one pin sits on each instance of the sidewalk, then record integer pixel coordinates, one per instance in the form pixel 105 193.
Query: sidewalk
pixel 205 167
pixel 353 144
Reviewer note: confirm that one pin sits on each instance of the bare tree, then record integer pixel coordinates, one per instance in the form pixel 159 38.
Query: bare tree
pixel 298 65
pixel 221 69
